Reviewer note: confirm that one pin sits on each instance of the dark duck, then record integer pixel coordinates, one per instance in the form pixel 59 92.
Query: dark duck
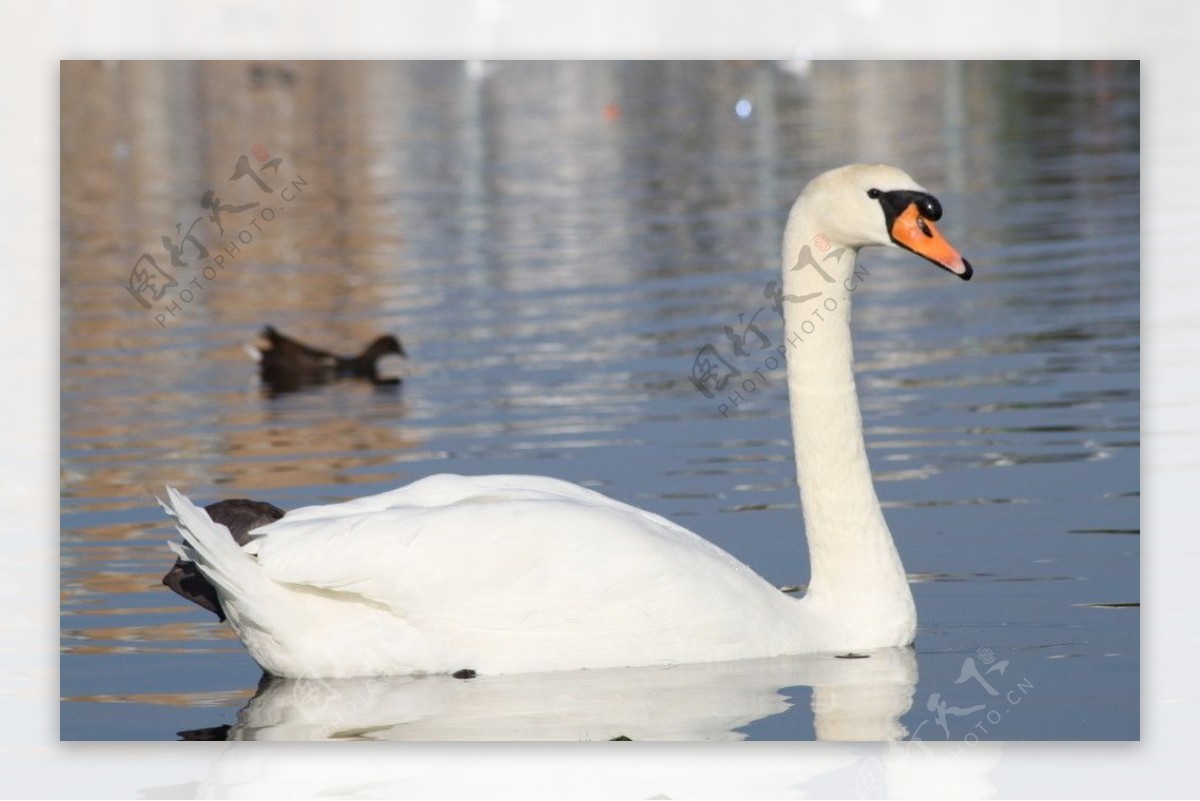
pixel 286 364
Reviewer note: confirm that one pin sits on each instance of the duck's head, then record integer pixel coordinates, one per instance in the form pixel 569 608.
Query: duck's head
pixel 874 204
pixel 385 346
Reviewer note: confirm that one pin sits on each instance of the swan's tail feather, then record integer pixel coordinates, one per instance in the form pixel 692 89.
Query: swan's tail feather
pixel 213 549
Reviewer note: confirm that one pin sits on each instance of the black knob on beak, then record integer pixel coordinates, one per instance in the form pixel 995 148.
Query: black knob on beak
pixel 930 208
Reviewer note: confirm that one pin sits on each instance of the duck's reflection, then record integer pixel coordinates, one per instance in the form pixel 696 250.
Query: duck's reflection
pixel 852 699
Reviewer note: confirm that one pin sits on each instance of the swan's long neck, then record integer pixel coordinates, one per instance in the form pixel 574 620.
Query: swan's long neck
pixel 855 567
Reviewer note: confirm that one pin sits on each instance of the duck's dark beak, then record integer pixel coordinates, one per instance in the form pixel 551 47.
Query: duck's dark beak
pixel 913 231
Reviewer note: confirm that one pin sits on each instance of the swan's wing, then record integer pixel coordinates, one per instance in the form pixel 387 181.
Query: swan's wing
pixel 510 554
pixel 445 489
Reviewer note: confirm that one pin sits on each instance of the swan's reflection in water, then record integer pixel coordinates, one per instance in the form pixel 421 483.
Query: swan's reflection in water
pixel 852 699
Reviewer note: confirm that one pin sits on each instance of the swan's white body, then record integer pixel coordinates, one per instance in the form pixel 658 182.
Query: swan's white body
pixel 507 574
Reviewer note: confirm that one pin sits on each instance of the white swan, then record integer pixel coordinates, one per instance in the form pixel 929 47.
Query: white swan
pixel 509 574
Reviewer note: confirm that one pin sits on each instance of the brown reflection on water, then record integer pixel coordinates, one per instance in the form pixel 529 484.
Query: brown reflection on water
pixel 99 583
pixel 164 632
pixel 221 698
pixel 317 454
pixel 253 448
pixel 143 141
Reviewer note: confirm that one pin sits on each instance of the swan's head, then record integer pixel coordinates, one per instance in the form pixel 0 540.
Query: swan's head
pixel 873 204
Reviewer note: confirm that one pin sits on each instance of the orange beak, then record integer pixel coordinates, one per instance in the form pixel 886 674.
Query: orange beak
pixel 918 234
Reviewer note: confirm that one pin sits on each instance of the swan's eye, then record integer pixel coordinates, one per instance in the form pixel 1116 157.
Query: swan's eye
pixel 873 193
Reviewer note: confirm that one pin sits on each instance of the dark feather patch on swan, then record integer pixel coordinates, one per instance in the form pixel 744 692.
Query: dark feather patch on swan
pixel 240 516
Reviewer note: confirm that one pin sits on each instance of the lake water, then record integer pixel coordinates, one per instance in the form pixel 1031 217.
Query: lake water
pixel 554 242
